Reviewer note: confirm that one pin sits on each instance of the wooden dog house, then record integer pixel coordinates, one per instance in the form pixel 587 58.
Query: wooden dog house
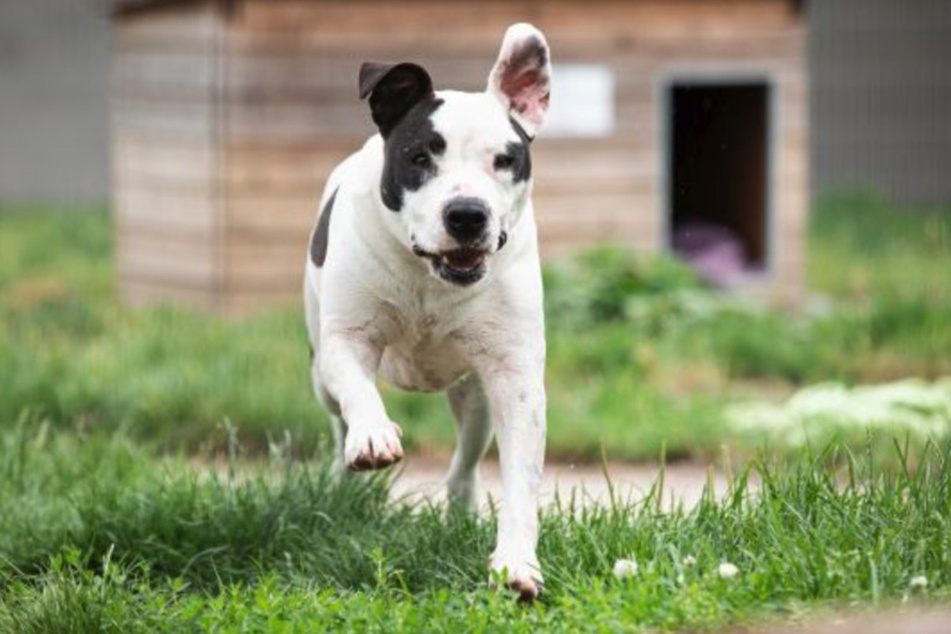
pixel 228 116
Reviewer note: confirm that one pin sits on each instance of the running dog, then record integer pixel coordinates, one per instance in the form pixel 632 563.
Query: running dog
pixel 423 269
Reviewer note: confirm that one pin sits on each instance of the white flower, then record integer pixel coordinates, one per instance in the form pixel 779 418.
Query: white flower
pixel 726 570
pixel 919 581
pixel 624 568
pixel 689 561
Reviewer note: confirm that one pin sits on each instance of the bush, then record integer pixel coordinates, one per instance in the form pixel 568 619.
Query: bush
pixel 602 285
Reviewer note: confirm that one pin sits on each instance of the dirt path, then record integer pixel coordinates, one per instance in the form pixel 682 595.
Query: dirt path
pixel 423 478
pixel 905 621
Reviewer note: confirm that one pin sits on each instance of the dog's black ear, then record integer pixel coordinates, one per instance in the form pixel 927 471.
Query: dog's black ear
pixel 393 90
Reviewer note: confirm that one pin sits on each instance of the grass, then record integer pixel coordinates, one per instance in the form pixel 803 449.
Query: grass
pixel 105 526
pixel 96 535
pixel 862 248
pixel 641 358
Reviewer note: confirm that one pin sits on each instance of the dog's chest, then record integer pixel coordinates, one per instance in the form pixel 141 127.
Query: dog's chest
pixel 426 355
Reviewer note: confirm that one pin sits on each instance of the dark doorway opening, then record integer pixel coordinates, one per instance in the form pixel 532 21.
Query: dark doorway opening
pixel 718 186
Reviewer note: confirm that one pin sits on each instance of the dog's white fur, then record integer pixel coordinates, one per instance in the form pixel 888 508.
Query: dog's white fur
pixel 376 308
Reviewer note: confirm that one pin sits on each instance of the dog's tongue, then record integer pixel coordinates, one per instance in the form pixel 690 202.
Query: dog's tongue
pixel 463 259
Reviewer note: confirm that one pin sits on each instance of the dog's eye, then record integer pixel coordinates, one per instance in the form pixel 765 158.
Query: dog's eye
pixel 503 161
pixel 422 160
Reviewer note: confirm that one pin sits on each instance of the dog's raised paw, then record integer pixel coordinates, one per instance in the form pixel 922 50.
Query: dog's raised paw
pixel 374 449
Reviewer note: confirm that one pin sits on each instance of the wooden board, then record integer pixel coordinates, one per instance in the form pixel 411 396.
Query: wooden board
pixel 185 26
pixel 265 262
pixel 226 131
pixel 187 263
pixel 166 214
pixel 161 119
pixel 422 18
pixel 278 173
pixel 164 164
pixel 166 74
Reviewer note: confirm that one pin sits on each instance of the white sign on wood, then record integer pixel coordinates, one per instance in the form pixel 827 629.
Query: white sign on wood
pixel 582 101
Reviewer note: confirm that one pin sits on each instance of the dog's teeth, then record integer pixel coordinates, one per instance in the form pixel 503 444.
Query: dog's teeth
pixel 461 260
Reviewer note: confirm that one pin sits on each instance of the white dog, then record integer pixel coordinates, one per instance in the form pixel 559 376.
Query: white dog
pixel 424 269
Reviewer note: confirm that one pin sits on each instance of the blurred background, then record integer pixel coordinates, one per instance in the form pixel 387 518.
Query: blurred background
pixel 743 207
pixel 55 58
pixel 878 79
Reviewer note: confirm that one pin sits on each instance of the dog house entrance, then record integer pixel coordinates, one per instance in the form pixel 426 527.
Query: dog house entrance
pixel 718 197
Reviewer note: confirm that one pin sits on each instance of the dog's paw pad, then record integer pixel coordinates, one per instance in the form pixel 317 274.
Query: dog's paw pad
pixel 375 449
pixel 524 579
pixel 527 589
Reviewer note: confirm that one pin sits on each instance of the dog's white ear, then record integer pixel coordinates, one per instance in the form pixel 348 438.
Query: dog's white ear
pixel 521 77
pixel 393 90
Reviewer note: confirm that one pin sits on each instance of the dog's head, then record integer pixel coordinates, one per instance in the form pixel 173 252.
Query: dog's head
pixel 457 169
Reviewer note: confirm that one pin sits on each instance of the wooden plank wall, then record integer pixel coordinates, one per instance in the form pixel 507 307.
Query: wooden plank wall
pixel 293 110
pixel 164 155
pixel 289 111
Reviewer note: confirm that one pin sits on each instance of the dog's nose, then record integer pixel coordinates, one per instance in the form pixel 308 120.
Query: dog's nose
pixel 466 219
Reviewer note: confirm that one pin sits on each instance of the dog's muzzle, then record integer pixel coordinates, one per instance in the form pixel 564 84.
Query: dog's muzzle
pixel 466 221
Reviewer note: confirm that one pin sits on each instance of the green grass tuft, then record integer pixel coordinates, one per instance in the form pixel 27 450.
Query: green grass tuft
pixel 97 536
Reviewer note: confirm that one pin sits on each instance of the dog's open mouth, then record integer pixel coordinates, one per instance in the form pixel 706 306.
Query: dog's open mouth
pixel 462 266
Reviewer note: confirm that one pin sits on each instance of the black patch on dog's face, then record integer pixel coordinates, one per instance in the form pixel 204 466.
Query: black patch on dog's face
pixel 318 243
pixel 517 158
pixel 409 153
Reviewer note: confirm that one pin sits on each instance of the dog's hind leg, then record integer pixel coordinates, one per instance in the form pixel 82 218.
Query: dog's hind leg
pixel 469 405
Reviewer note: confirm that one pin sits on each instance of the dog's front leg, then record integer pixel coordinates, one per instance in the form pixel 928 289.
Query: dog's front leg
pixel 348 367
pixel 517 405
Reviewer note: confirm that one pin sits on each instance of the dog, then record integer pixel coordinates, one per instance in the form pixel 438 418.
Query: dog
pixel 423 269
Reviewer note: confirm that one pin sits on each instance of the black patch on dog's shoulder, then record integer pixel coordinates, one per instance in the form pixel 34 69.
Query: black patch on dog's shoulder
pixel 519 154
pixel 318 243
pixel 409 153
